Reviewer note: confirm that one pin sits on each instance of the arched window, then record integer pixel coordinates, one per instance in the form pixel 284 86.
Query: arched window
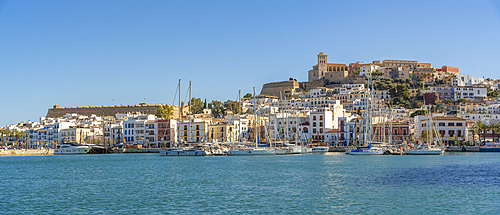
pixel 451 124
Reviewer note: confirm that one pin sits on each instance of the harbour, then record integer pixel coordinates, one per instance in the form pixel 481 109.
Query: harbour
pixel 295 184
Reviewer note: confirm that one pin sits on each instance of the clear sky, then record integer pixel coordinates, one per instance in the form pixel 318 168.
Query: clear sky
pixel 79 53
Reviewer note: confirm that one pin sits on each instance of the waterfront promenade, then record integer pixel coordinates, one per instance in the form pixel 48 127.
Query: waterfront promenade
pixel 24 152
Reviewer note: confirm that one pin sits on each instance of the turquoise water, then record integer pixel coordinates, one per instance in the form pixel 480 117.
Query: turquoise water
pixel 333 183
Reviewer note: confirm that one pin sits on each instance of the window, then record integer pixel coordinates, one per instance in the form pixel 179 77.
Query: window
pixel 314 117
pixel 320 117
pixel 451 124
pixel 459 124
pixel 441 124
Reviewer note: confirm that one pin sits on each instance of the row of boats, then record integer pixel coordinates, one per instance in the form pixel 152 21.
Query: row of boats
pixel 372 149
pixel 204 150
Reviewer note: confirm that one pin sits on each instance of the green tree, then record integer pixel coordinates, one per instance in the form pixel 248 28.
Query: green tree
pixel 217 108
pixel 483 127
pixel 462 100
pixel 248 95
pixel 420 84
pixel 494 128
pixel 196 105
pixel 165 112
pixel 418 113
pixel 231 105
pixel 492 93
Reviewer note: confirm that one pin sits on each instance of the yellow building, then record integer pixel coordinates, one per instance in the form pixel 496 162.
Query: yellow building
pixel 221 133
pixel 414 92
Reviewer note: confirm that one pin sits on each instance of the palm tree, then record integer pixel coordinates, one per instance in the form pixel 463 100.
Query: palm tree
pixel 475 130
pixel 485 128
pixel 495 128
pixel 479 128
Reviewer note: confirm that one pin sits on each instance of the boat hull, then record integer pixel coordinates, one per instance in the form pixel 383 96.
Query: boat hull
pixel 424 152
pixel 366 152
pixel 298 150
pixel 319 149
pixel 182 152
pixel 489 149
pixel 251 152
pixel 72 151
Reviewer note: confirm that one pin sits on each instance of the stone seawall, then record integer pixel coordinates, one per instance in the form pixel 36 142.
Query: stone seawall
pixel 23 152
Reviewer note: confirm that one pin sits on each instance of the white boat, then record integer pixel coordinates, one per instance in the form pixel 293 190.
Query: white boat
pixel 425 150
pixel 319 149
pixel 251 151
pixel 298 150
pixel 366 151
pixel 71 149
pixel 183 152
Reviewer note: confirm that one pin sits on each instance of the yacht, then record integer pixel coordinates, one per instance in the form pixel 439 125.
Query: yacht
pixel 184 152
pixel 425 149
pixel 251 151
pixel 366 150
pixel 72 148
pixel 319 149
pixel 298 150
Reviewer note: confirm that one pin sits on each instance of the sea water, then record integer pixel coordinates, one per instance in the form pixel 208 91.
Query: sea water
pixel 331 183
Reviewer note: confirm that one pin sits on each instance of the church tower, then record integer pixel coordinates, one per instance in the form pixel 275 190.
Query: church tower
pixel 322 65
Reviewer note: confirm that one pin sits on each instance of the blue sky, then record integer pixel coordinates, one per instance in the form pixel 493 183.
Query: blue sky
pixel 78 53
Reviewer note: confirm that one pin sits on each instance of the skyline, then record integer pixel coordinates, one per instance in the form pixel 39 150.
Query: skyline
pixel 126 52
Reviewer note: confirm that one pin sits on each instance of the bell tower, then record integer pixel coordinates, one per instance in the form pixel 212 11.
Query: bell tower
pixel 322 65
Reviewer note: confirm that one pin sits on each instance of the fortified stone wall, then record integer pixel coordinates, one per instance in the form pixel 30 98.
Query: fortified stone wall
pixel 274 88
pixel 312 84
pixel 110 110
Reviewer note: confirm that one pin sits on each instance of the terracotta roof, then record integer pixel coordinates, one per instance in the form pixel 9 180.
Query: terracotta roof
pixel 447 118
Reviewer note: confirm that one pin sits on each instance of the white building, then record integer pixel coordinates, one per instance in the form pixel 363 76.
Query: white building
pixel 134 129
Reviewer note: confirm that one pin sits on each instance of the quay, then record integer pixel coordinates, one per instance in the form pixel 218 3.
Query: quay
pixel 26 152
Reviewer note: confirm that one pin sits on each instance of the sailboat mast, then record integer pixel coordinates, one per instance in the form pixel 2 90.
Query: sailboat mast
pixel 179 121
pixel 239 114
pixel 189 114
pixel 255 118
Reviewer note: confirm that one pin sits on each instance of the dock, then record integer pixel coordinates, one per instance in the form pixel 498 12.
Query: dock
pixel 26 152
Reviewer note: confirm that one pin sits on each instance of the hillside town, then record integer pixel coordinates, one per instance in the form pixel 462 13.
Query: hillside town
pixel 331 108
